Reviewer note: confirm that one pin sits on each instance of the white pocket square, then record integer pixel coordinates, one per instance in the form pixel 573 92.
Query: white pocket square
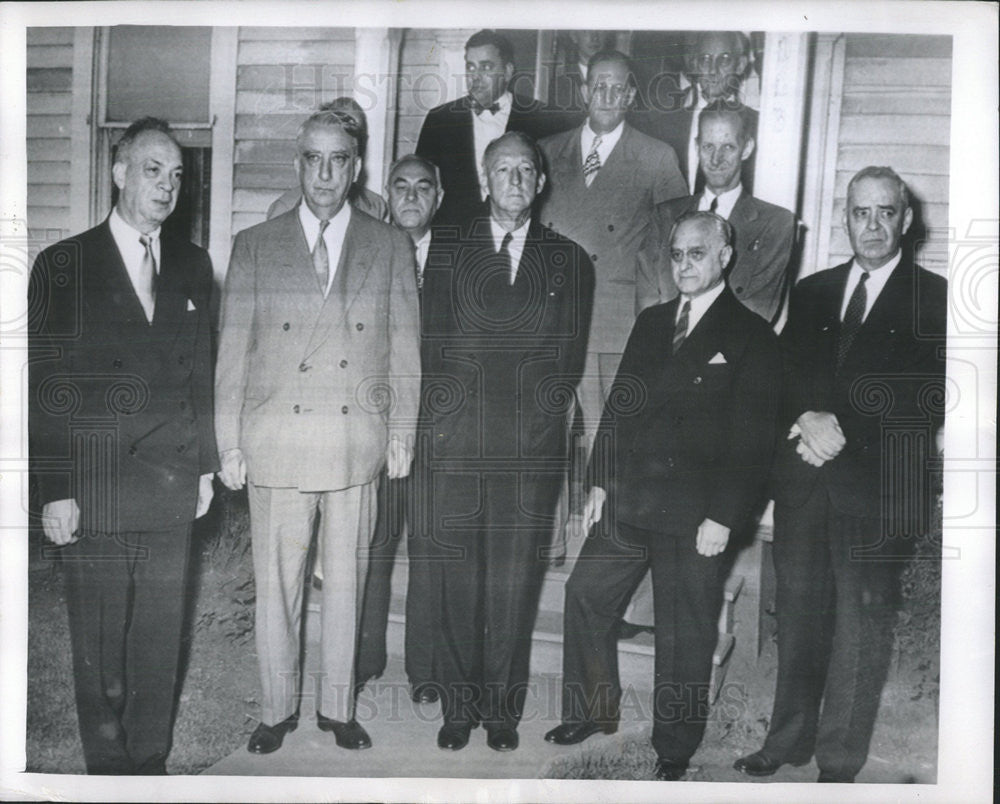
pixel 191 306
pixel 719 358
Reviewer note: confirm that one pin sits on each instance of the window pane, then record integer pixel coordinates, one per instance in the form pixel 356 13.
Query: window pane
pixel 158 70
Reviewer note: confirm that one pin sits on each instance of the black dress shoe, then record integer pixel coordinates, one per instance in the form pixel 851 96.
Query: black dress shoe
pixel 762 764
pixel 349 735
pixel 453 737
pixel 502 739
pixel 669 771
pixel 424 693
pixel 266 739
pixel 573 733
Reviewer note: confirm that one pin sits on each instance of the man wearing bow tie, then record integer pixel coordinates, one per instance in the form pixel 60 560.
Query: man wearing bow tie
pixel 454 135
pixel 678 463
pixel 123 447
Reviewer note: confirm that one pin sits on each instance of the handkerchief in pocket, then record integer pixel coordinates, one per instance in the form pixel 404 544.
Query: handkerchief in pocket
pixel 191 306
pixel 719 358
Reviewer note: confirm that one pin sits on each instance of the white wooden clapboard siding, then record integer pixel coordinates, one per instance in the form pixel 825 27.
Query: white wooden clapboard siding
pixel 421 86
pixel 896 110
pixel 49 101
pixel 282 75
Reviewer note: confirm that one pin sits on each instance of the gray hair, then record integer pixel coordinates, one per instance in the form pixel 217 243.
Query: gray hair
pixel 876 172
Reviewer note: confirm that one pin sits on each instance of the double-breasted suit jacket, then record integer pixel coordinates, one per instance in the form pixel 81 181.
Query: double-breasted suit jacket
pixel 447 140
pixel 310 387
pixel 121 409
pixel 760 272
pixel 610 218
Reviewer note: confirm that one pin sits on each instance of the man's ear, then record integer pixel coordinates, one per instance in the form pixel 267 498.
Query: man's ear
pixel 907 220
pixel 585 93
pixel 541 183
pixel 508 71
pixel 440 198
pixel 357 169
pixel 747 149
pixel 118 171
pixel 727 255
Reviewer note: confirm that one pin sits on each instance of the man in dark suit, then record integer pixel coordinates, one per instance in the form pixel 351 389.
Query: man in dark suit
pixel 506 310
pixel 680 460
pixel 317 389
pixel 454 135
pixel 764 233
pixel 414 192
pixel 605 180
pixel 864 347
pixel 123 447
pixel 716 62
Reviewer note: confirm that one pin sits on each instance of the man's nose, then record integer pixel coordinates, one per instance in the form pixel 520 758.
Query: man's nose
pixel 325 169
pixel 410 194
pixel 872 222
pixel 515 178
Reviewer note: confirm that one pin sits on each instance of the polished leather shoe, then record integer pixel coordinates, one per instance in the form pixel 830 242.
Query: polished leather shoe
pixel 502 739
pixel 424 693
pixel 266 739
pixel 349 735
pixel 667 771
pixel 573 733
pixel 762 764
pixel 453 738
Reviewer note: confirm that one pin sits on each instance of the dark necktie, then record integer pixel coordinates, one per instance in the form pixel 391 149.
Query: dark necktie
pixel 321 258
pixel 714 206
pixel 478 108
pixel 147 277
pixel 504 255
pixel 853 318
pixel 680 331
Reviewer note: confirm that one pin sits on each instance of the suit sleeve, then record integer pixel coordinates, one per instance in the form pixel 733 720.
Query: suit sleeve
pixel 669 183
pixel 404 339
pixel 767 287
pixel 202 390
pixel 235 333
pixel 753 412
pixel 654 283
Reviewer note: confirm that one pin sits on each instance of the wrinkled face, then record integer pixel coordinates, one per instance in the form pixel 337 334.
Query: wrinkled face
pixel 875 221
pixel 149 180
pixel 414 197
pixel 608 95
pixel 512 179
pixel 327 163
pixel 718 64
pixel 486 76
pixel 589 42
pixel 721 154
pixel 698 257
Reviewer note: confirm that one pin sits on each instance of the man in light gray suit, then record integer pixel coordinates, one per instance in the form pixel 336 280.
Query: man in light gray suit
pixel 318 383
pixel 605 180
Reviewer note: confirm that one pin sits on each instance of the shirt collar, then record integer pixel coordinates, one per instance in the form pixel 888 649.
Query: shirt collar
pixel 873 285
pixel 124 232
pixel 727 200
pixel 608 140
pixel 517 237
pixel 700 303
pixel 310 223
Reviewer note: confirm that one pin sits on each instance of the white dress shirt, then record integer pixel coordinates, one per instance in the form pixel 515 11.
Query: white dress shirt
pixel 334 236
pixel 515 247
pixel 133 252
pixel 699 305
pixel 608 142
pixel 727 200
pixel 486 127
pixel 873 286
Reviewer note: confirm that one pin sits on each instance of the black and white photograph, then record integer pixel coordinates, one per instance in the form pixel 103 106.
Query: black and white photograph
pixel 453 401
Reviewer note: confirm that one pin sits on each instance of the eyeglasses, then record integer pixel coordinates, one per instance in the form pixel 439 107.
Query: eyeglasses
pixel 721 61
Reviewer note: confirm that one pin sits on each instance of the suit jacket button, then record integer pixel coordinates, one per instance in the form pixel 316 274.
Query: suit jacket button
pixel 359 326
pixel 593 258
pixel 344 409
pixel 183 404
pixel 611 227
pixel 286 326
pixel 343 364
pixel 303 367
pixel 117 363
pixel 180 360
pixel 697 380
pixel 181 448
pixel 739 290
pixel 132 450
pixel 295 408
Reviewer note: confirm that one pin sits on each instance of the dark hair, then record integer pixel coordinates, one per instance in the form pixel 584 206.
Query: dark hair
pixel 134 131
pixel 488 36
pixel 727 110
pixel 336 118
pixel 521 137
pixel 614 57
pixel 875 172
pixel 723 227
pixel 415 159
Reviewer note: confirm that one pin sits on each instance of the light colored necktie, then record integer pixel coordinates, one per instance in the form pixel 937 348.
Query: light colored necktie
pixel 146 289
pixel 592 163
pixel 680 331
pixel 321 259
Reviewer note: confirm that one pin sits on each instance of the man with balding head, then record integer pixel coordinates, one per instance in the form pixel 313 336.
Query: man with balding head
pixel 716 62
pixel 864 399
pixel 763 233
pixel 679 462
pixel 317 380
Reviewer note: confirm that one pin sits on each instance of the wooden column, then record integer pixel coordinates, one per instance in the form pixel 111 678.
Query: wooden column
pixel 376 65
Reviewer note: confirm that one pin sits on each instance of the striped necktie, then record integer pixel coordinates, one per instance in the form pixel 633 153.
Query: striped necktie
pixel 592 163
pixel 853 318
pixel 681 330
pixel 321 258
